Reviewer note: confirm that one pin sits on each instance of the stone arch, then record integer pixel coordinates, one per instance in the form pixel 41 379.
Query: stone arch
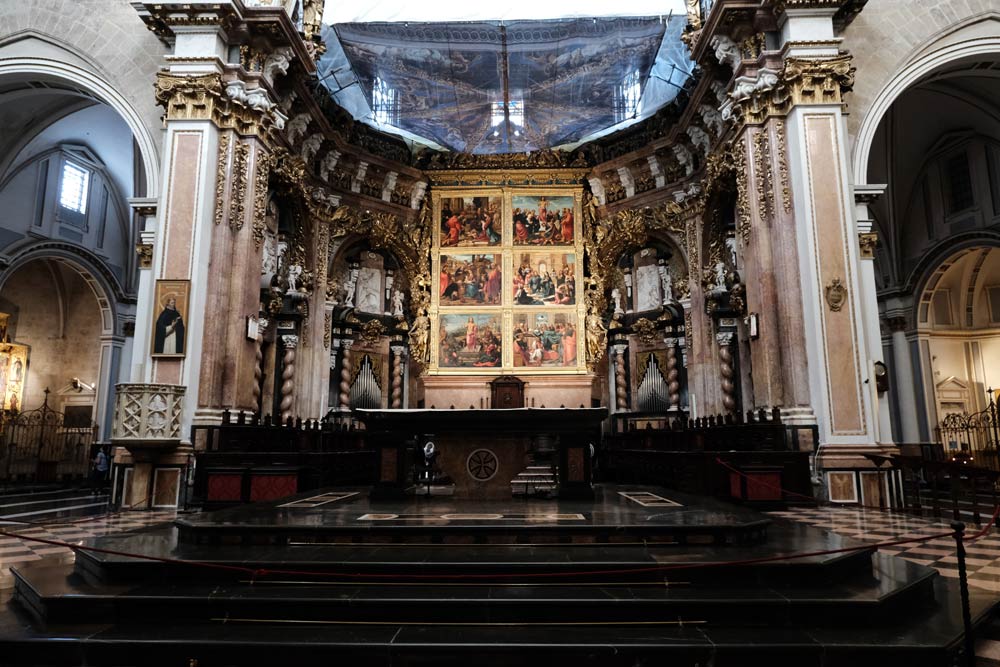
pixel 873 94
pixel 105 285
pixel 929 264
pixel 102 89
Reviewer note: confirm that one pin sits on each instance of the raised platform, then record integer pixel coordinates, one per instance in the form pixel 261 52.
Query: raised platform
pixel 441 582
pixel 617 514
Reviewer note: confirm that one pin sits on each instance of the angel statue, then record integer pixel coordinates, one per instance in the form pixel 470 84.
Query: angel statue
pixel 616 296
pixel 419 333
pixel 397 303
pixel 597 336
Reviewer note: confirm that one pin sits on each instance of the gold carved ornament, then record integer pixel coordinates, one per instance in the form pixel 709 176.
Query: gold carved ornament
pixel 645 331
pixel 836 295
pixel 221 169
pixel 786 193
pixel 145 252
pixel 802 81
pixel 241 169
pixel 372 331
pixel 867 242
pixel 204 98
pixel 260 186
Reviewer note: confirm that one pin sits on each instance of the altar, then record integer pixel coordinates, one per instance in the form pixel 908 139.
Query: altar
pixel 482 451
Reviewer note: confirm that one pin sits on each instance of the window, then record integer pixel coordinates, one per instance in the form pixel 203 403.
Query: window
pixel 385 103
pixel 74 187
pixel 627 96
pixel 942 308
pixel 959 180
pixel 516 110
pixel 994 298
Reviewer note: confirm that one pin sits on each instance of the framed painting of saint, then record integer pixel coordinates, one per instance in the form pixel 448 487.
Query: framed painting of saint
pixel 471 280
pixel 171 300
pixel 545 279
pixel 471 221
pixel 470 340
pixel 541 220
pixel 545 340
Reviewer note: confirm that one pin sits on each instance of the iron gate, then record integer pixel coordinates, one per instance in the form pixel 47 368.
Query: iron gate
pixel 976 435
pixel 39 446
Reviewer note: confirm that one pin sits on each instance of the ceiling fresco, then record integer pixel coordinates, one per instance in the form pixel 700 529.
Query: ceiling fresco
pixel 503 87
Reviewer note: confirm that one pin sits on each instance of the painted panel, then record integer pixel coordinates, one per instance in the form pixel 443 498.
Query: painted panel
pixel 545 339
pixel 470 340
pixel 543 220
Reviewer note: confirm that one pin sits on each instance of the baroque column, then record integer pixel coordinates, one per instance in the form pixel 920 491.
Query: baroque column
pixel 796 223
pixel 221 122
pixel 345 375
pixel 621 385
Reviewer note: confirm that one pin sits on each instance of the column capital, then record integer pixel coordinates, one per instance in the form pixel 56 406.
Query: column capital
pixel 228 104
pixel 867 242
pixel 290 341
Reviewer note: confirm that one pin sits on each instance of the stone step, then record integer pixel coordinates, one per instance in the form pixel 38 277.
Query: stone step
pixel 59 595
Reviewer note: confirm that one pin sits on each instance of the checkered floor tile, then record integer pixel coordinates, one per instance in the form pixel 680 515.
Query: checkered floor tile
pixel 15 551
pixel 982 556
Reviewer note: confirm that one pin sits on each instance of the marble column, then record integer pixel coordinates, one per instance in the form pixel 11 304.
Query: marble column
pixel 220 121
pixel 287 405
pixel 727 371
pixel 904 380
pixel 621 384
pixel 396 399
pixel 672 375
pixel 345 375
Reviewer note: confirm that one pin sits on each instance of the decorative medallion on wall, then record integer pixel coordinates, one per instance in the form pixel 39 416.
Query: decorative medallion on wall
pixel 482 465
pixel 836 295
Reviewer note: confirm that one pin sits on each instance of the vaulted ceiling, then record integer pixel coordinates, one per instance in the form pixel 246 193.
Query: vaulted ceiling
pixel 505 86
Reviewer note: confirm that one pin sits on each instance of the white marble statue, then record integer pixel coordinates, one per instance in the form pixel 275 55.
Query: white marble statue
pixel 277 64
pixel 720 275
pixel 616 296
pixel 685 158
pixel 700 139
pixel 294 272
pixel 311 146
pixel 727 52
pixel 397 303
pixel 330 161
pixel 352 282
pixel 712 118
pixel 666 284
pixel 296 127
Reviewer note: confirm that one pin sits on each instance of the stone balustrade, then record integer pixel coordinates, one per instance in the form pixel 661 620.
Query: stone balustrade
pixel 148 415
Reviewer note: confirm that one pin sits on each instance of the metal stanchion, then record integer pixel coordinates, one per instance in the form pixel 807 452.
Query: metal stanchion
pixel 963 582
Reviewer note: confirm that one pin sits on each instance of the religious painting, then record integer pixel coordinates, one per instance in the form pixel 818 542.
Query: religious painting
pixel 545 279
pixel 13 372
pixel 470 341
pixel 471 221
pixel 542 220
pixel 170 312
pixel 545 339
pixel 471 280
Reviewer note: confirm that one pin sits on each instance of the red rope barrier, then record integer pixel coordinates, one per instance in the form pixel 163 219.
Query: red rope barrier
pixel 780 489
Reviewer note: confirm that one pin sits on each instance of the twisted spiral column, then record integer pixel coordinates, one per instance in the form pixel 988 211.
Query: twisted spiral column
pixel 345 375
pixel 673 375
pixel 258 367
pixel 288 376
pixel 621 391
pixel 725 341
pixel 397 378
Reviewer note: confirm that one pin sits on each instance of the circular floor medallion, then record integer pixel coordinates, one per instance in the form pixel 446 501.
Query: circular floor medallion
pixel 482 464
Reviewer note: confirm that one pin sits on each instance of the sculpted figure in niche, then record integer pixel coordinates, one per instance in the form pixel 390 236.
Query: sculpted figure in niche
pixel 666 284
pixel 616 296
pixel 720 275
pixel 685 158
pixel 397 303
pixel 418 336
